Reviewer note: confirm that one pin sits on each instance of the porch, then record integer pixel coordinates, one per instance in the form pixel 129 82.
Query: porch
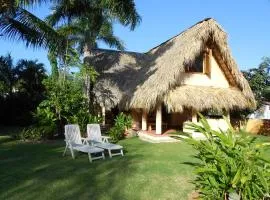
pixel 159 122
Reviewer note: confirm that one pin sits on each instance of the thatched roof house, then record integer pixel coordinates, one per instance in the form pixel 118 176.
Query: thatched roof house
pixel 191 71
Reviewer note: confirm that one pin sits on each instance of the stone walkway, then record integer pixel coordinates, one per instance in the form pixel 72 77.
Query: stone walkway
pixel 154 138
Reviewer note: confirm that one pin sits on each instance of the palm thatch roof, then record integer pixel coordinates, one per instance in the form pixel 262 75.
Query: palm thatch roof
pixel 143 80
pixel 205 98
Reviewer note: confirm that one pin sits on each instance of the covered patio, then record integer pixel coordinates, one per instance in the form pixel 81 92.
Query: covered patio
pixel 160 121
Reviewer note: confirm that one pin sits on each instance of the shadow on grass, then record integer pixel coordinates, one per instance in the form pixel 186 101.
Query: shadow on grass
pixel 38 171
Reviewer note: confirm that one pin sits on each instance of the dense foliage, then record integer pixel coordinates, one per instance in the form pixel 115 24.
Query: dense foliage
pixel 21 90
pixel 259 79
pixel 72 28
pixel 121 123
pixel 231 164
pixel 266 93
pixel 18 23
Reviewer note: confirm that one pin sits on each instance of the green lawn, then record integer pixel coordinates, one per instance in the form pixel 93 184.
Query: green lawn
pixel 147 171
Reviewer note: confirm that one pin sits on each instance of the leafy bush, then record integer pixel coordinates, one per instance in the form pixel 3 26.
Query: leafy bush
pixel 121 123
pixel 231 163
pixel 116 133
pixel 36 133
pixel 83 117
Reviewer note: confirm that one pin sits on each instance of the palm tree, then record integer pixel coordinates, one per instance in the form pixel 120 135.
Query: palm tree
pixel 87 22
pixel 91 20
pixel 7 75
pixel 17 23
pixel 30 75
pixel 84 38
pixel 25 77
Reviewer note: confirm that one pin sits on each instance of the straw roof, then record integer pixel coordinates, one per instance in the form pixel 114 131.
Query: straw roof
pixel 143 80
pixel 205 98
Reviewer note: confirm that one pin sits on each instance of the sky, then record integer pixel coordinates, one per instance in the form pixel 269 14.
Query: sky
pixel 247 23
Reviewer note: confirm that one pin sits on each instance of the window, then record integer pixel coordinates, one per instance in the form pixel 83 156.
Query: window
pixel 202 63
pixel 214 114
pixel 196 66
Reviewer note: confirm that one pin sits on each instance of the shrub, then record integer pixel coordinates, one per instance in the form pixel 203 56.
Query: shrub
pixel 121 124
pixel 83 117
pixel 123 121
pixel 231 163
pixel 36 133
pixel 116 133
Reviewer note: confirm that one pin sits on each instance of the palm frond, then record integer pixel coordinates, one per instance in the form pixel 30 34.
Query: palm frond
pixel 33 31
pixel 66 10
pixel 124 11
pixel 106 35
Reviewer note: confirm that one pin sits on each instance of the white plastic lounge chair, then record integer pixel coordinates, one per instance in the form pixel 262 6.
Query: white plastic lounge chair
pixel 75 142
pixel 96 139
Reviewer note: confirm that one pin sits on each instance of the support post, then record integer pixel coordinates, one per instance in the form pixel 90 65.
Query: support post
pixel 159 120
pixel 144 120
pixel 194 116
pixel 103 110
pixel 227 114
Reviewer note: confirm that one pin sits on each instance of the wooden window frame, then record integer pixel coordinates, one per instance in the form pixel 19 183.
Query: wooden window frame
pixel 207 61
pixel 206 68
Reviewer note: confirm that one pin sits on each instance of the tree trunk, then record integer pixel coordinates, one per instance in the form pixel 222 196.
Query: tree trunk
pixel 87 54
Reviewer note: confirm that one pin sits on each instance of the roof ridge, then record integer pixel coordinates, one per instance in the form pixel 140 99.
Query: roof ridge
pixel 204 20
pixel 115 50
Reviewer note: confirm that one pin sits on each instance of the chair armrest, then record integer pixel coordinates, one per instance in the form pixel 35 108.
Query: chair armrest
pixel 105 138
pixel 85 141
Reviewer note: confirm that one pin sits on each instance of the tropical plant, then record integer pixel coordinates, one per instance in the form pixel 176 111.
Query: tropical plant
pixel 85 23
pixel 259 78
pixel 83 117
pixel 30 75
pixel 17 23
pixel 21 89
pixel 66 103
pixel 266 93
pixel 7 74
pixel 122 122
pixel 230 164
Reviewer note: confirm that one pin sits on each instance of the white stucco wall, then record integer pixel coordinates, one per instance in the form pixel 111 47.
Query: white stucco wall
pixel 216 79
pixel 215 124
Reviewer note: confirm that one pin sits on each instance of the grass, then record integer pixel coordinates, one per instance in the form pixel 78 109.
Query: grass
pixel 147 171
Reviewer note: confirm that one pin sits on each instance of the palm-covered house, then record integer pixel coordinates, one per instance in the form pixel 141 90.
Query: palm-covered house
pixel 166 86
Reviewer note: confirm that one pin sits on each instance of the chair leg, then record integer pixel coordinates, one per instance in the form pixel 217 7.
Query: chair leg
pixel 72 153
pixel 110 153
pixel 90 157
pixel 65 150
pixel 103 155
pixel 122 153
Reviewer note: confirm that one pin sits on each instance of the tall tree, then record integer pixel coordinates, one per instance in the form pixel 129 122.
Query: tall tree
pixel 30 75
pixel 7 75
pixel 266 94
pixel 21 89
pixel 87 22
pixel 259 78
pixel 82 36
pixel 17 23
pixel 92 20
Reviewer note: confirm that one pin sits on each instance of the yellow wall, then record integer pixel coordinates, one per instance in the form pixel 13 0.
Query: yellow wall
pixel 216 78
